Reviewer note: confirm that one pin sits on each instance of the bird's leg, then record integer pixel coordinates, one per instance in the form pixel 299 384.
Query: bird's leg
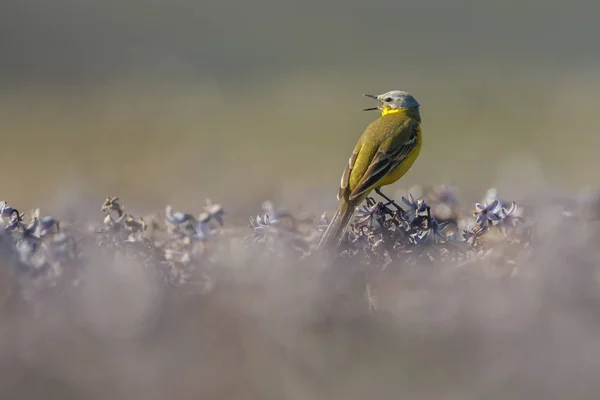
pixel 389 201
pixel 370 202
pixel 379 192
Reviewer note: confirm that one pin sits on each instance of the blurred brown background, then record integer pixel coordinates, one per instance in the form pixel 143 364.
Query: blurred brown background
pixel 176 100
pixel 179 100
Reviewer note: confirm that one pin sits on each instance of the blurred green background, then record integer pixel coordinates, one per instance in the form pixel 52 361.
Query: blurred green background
pixel 173 101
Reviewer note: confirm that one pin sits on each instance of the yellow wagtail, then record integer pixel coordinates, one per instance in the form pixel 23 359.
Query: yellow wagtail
pixel 384 153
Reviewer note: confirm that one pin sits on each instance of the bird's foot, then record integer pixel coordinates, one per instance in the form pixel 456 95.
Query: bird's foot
pixel 390 202
pixel 370 201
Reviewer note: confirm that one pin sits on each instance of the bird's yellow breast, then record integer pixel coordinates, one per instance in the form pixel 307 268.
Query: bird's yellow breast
pixel 404 166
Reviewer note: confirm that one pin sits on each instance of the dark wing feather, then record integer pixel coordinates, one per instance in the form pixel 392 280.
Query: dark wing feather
pixel 383 163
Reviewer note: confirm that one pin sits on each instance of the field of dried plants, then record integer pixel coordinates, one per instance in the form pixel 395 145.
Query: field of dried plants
pixel 428 297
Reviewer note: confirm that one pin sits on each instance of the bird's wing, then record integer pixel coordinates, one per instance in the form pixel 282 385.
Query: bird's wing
pixel 391 152
pixel 346 175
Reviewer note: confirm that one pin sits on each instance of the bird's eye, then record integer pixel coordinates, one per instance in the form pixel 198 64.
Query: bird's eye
pixel 388 99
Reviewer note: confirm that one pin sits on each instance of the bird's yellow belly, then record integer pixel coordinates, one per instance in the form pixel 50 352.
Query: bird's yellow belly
pixel 403 167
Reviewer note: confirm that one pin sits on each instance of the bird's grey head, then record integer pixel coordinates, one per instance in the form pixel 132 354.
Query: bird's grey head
pixel 393 100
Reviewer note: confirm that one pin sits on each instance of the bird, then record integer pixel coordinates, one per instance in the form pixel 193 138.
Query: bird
pixel 385 151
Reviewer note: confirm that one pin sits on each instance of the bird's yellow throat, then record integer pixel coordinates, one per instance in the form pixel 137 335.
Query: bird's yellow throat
pixel 387 110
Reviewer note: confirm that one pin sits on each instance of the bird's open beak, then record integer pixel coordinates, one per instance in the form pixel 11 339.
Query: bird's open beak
pixel 372 96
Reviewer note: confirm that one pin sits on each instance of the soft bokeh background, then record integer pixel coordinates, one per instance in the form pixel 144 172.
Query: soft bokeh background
pixel 179 100
pixel 162 101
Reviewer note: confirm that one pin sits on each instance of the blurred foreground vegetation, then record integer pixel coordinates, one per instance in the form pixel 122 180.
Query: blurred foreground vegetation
pixel 428 297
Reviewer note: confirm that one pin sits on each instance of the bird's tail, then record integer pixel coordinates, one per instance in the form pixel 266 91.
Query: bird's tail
pixel 334 234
